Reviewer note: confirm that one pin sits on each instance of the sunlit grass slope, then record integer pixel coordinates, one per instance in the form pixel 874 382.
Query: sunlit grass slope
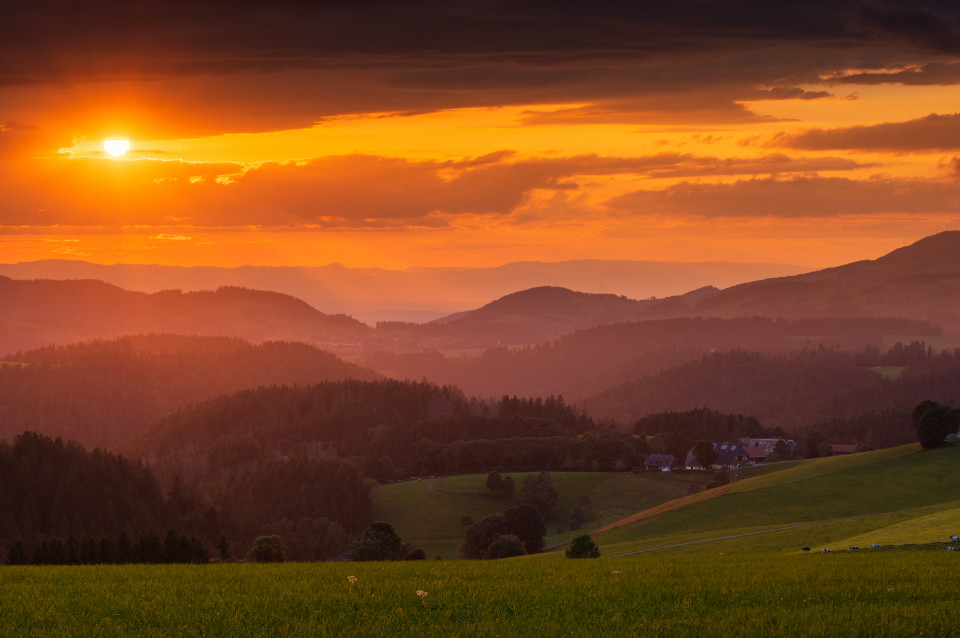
pixel 896 594
pixel 814 503
pixel 429 513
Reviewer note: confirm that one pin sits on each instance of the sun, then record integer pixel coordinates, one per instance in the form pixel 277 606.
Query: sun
pixel 116 148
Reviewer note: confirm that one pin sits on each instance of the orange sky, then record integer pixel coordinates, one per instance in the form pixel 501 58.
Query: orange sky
pixel 477 134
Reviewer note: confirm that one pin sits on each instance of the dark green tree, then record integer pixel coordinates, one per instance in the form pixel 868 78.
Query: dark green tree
pixel 934 423
pixel 583 547
pixel 705 454
pixel 494 481
pixel 378 542
pixel 539 491
pixel 505 546
pixel 478 536
pixel 526 522
pixel 268 549
pixel 223 548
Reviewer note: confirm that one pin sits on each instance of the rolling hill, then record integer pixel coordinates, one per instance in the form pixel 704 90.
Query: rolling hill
pixel 36 313
pixel 105 392
pixel 919 281
pixel 416 294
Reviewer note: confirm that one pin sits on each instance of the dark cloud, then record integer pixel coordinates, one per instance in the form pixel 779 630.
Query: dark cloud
pixel 934 73
pixel 799 197
pixel 931 133
pixel 299 62
pixel 929 27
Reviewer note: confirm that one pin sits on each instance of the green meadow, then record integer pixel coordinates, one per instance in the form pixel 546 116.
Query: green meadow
pixel 429 513
pixel 719 562
pixel 879 594
pixel 894 496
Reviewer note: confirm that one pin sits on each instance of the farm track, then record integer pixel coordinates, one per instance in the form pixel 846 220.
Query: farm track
pixel 787 527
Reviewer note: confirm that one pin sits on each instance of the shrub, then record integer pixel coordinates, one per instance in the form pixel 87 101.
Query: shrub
pixel 506 546
pixel 583 547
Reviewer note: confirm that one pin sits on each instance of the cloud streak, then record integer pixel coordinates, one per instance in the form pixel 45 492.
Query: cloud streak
pixel 934 132
pixel 793 198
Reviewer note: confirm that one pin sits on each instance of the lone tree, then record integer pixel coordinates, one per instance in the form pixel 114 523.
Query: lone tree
pixel 934 423
pixel 583 547
pixel 539 491
pixel 705 454
pixel 494 481
pixel 268 549
pixel 378 542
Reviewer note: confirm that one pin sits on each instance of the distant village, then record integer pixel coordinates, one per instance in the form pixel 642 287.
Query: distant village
pixel 730 456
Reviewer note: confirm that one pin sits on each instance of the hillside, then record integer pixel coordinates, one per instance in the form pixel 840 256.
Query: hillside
pixel 102 393
pixel 919 281
pixel 451 498
pixel 36 313
pixel 798 391
pixel 816 503
pixel 583 363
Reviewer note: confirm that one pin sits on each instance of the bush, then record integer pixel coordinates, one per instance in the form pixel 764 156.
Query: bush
pixel 378 542
pixel 583 547
pixel 506 546
pixel 268 549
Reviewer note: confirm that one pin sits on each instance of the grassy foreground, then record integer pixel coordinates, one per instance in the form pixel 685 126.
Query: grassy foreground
pixel 881 594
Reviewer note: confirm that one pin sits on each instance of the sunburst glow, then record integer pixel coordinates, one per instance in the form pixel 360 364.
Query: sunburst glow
pixel 116 148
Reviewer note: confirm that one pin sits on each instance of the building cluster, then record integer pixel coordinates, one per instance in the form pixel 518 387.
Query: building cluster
pixel 730 456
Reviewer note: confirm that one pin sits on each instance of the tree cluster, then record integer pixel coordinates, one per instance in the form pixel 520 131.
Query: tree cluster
pixel 380 542
pixel 934 423
pixel 490 537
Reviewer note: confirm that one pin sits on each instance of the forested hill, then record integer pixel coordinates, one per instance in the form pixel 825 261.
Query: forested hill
pixel 103 392
pixel 60 503
pixel 39 312
pixel 589 361
pixel 52 488
pixel 344 419
pixel 862 397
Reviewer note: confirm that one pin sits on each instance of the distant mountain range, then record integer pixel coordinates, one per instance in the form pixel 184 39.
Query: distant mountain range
pixel 919 282
pixel 418 294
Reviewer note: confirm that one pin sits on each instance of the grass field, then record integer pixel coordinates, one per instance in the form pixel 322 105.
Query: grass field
pixel 880 594
pixel 429 513
pixel 894 496
pixel 723 562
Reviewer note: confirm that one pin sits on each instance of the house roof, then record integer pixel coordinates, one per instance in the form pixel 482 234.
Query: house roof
pixel 757 452
pixel 661 460
pixel 727 454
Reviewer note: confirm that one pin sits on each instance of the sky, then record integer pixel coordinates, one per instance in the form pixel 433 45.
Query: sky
pixel 476 132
